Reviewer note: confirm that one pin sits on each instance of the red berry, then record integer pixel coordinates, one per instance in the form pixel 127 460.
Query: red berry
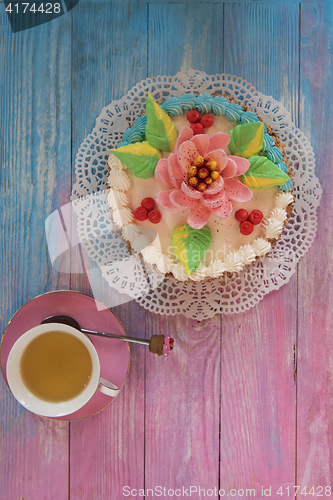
pixel 246 227
pixel 206 121
pixel 154 216
pixel 141 213
pixel 193 116
pixel 197 128
pixel 256 217
pixel 148 203
pixel 241 215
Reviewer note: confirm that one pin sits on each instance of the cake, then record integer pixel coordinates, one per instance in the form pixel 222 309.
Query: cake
pixel 199 187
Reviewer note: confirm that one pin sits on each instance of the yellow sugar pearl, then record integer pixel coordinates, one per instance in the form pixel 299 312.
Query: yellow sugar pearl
pixel 192 171
pixel 203 172
pixel 193 181
pixel 199 162
pixel 201 186
pixel 214 175
pixel 208 180
pixel 212 165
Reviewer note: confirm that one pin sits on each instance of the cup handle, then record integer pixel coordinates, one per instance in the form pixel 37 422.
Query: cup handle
pixel 108 388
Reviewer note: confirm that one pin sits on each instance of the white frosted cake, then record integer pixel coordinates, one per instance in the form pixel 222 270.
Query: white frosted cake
pixel 199 187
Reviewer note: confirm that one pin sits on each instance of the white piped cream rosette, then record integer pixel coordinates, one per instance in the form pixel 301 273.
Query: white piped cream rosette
pixel 119 183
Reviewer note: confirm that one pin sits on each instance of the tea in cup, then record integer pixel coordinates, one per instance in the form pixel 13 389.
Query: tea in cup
pixel 54 370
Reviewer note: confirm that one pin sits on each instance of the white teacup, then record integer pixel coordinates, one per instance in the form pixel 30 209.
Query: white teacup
pixel 54 370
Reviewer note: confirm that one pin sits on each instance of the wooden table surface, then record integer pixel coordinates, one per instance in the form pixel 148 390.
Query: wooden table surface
pixel 246 401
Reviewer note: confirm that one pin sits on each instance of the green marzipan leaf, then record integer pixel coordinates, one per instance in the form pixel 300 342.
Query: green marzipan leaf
pixel 246 139
pixel 160 130
pixel 263 173
pixel 141 158
pixel 190 245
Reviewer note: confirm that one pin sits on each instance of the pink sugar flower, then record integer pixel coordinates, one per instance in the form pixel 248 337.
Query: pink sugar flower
pixel 201 177
pixel 166 346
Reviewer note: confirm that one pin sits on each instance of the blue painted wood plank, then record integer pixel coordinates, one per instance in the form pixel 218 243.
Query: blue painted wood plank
pixel 262 45
pixel 181 37
pixel 109 46
pixel 258 411
pixel 109 56
pixel 36 169
pixel 183 391
pixel 279 2
pixel 315 388
pixel 35 181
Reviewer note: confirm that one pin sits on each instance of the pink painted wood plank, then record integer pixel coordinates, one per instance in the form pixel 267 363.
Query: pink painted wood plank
pixel 182 408
pixel 258 395
pixel 34 453
pixel 315 358
pixel 107 450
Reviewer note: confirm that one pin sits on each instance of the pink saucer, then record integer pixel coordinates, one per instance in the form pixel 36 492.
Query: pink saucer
pixel 114 354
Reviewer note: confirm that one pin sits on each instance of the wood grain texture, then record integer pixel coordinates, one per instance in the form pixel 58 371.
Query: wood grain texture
pixel 109 57
pixel 181 37
pixel 182 407
pixel 183 391
pixel 258 405
pixel 298 2
pixel 258 396
pixel 315 356
pixel 261 44
pixel 107 450
pixel 35 172
pixel 224 410
pixel 35 179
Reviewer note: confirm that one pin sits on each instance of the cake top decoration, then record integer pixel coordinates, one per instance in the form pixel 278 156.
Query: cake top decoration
pixel 160 131
pixel 247 139
pixel 263 173
pixel 202 178
pixel 161 345
pixel 200 171
pixel 141 158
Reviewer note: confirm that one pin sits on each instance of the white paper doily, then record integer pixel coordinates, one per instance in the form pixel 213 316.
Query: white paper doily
pixel 124 272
